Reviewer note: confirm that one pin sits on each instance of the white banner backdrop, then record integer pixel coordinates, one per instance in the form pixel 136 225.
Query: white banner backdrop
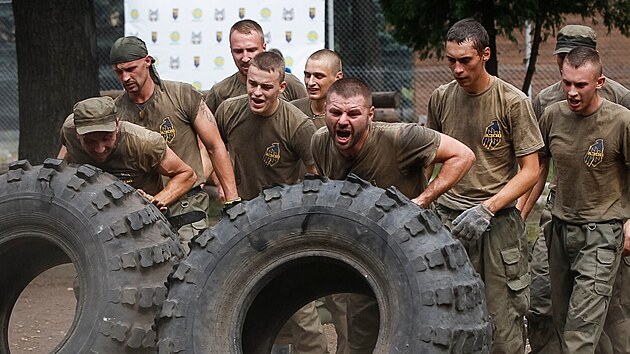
pixel 190 39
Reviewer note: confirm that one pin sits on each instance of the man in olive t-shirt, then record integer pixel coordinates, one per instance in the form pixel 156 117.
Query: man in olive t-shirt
pixel 322 69
pixel 269 142
pixel 387 154
pixel 246 41
pixel 496 121
pixel 93 134
pixel 542 338
pixel 589 139
pixel 177 111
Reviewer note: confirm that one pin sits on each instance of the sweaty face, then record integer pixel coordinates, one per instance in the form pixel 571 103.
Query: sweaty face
pixel 98 145
pixel 466 65
pixel 133 74
pixel 580 87
pixel 245 46
pixel 318 76
pixel 263 90
pixel 348 121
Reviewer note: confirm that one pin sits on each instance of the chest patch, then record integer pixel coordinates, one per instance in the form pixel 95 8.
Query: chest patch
pixel 492 136
pixel 167 130
pixel 272 154
pixel 595 153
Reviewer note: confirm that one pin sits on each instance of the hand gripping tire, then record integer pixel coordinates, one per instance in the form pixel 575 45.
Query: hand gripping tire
pixel 121 246
pixel 269 256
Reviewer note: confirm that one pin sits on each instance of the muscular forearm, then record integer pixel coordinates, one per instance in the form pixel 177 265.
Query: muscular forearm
pixel 528 200
pixel 177 186
pixel 224 173
pixel 451 171
pixel 524 180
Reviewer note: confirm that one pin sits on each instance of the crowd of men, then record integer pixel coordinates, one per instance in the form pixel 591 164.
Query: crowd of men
pixel 261 126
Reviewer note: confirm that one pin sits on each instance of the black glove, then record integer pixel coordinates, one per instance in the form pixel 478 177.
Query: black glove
pixel 473 222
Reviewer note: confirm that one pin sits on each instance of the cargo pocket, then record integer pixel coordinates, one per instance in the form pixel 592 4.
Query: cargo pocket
pixel 511 257
pixel 603 271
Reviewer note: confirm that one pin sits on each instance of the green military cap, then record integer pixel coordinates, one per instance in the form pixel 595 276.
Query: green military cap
pixel 96 114
pixel 572 36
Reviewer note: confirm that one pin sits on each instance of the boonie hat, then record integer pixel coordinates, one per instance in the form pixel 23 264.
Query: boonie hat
pixel 96 114
pixel 572 36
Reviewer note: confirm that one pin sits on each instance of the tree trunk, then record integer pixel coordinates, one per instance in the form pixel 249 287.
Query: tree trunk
pixel 57 66
pixel 487 21
pixel 531 67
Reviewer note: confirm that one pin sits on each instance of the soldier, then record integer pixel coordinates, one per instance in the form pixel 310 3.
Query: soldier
pixel 496 121
pixel 322 69
pixel 93 134
pixel 589 139
pixel 542 338
pixel 246 41
pixel 389 154
pixel 176 111
pixel 269 140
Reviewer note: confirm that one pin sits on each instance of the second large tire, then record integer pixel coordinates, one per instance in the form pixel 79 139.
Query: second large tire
pixel 245 276
pixel 121 246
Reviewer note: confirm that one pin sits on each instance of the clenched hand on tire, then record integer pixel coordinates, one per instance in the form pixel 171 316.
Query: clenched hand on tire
pixel 473 222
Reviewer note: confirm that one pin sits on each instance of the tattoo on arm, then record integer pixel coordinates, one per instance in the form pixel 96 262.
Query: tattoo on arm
pixel 203 108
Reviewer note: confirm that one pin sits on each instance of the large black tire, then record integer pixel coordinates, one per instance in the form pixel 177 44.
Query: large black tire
pixel 121 246
pixel 245 276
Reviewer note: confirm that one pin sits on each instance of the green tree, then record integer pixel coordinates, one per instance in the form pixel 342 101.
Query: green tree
pixel 422 25
pixel 57 66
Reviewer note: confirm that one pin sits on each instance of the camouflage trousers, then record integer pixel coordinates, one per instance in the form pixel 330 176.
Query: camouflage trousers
pixel 583 260
pixel 500 258
pixel 541 333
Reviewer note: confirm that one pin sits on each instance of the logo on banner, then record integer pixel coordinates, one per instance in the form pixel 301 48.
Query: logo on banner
pixel 219 61
pixel 241 12
pixel 153 15
pixel 265 13
pixel 196 61
pixel 197 85
pixel 196 38
pixel 311 12
pixel 134 14
pixel 219 36
pixel 219 15
pixel 197 14
pixel 288 35
pixel 153 36
pixel 174 63
pixel 288 15
pixel 175 13
pixel 175 37
pixel 312 36
pixel 288 61
pixel 268 37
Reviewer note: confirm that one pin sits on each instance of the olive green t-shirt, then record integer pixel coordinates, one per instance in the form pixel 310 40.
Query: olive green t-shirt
pixel 394 154
pixel 171 111
pixel 304 105
pixel 135 159
pixel 591 157
pixel 265 150
pixel 231 86
pixel 612 91
pixel 498 125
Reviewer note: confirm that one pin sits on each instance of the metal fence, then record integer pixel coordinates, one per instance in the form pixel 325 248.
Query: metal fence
pixel 360 36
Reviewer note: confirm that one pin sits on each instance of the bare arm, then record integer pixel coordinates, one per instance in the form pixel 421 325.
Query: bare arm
pixel 206 127
pixel 527 201
pixel 206 163
pixel 524 180
pixel 456 159
pixel 182 178
pixel 312 169
pixel 62 152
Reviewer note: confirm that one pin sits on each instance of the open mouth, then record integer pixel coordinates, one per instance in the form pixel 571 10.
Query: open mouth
pixel 573 102
pixel 343 136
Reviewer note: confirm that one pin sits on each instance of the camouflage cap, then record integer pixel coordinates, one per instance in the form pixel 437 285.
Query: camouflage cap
pixel 96 114
pixel 572 36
